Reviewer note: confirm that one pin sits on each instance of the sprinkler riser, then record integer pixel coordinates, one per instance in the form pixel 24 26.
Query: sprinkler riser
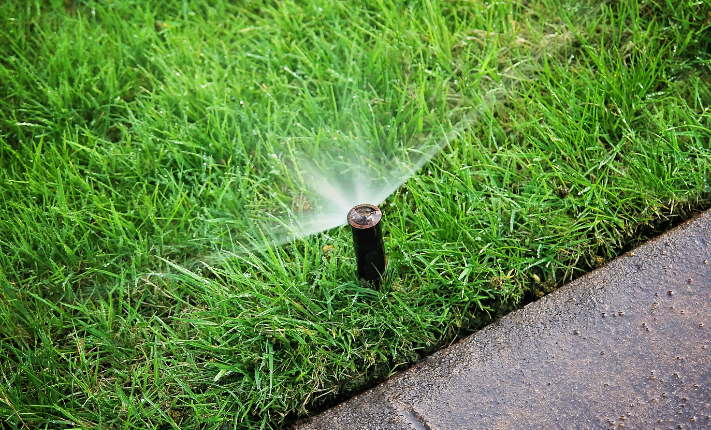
pixel 366 227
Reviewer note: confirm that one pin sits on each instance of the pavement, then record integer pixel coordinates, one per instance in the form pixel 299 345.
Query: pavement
pixel 625 346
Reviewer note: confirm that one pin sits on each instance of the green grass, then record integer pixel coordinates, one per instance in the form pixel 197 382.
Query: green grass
pixel 136 138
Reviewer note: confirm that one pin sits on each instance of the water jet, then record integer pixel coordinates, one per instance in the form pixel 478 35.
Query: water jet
pixel 365 221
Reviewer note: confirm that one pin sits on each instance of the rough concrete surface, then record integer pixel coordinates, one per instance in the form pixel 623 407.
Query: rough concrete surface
pixel 625 346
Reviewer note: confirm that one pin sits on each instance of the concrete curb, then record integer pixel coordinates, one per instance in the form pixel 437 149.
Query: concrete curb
pixel 627 345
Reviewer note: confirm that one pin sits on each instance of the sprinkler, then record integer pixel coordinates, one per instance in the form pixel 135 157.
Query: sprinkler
pixel 368 242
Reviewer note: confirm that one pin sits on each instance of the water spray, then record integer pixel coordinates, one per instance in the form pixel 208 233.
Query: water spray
pixel 368 242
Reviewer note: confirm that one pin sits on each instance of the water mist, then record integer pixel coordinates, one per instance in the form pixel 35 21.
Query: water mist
pixel 327 177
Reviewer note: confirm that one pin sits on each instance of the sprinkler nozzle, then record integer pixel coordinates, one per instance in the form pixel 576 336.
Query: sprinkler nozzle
pixel 368 242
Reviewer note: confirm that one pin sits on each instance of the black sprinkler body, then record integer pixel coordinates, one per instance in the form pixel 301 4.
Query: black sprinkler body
pixel 368 242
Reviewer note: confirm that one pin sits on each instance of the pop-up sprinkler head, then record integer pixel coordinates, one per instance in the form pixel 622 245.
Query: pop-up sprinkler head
pixel 368 242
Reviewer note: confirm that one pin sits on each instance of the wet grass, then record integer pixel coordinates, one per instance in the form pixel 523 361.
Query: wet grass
pixel 134 137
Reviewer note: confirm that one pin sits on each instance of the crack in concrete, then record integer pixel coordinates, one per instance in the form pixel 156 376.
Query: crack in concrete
pixel 412 417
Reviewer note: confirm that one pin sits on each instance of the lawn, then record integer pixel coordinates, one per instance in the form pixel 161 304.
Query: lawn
pixel 141 144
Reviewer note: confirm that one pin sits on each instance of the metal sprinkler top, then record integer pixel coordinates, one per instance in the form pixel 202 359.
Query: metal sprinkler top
pixel 364 216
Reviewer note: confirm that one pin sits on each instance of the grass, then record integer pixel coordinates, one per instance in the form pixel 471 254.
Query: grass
pixel 136 138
